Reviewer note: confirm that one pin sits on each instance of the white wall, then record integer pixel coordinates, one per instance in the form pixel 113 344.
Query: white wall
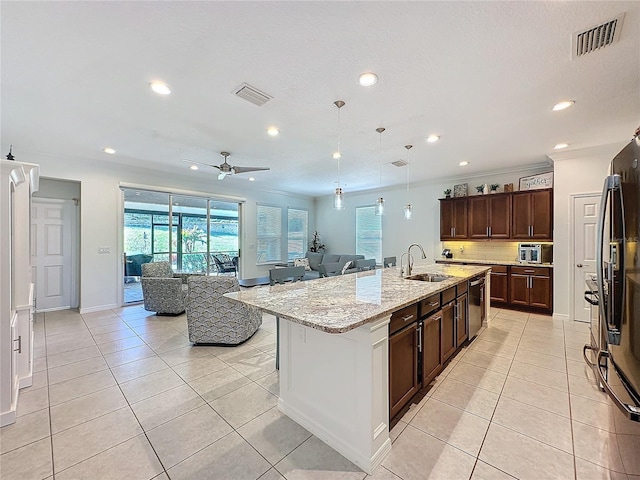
pixel 101 213
pixel 338 227
pixel 576 172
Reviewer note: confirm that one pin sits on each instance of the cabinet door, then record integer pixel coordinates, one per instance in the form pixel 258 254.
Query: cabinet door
pixel 478 217
pixel 448 339
pixel 499 287
pixel 446 219
pixel 542 215
pixel 460 218
pixel 519 289
pixel 431 356
pixel 499 213
pixel 540 292
pixel 403 368
pixel 462 326
pixel 521 218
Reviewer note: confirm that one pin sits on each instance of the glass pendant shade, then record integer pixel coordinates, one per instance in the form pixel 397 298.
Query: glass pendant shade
pixel 408 211
pixel 380 206
pixel 338 199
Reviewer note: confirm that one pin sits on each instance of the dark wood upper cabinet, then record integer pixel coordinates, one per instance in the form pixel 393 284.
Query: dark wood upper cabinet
pixel 532 215
pixel 453 218
pixel 489 216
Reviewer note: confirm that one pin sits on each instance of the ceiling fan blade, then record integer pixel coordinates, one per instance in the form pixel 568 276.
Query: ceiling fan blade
pixel 248 169
pixel 201 163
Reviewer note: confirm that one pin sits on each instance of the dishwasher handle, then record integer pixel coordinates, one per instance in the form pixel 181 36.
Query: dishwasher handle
pixel 475 283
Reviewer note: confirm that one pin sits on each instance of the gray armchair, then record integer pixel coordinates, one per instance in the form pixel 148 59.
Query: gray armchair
pixel 163 292
pixel 213 318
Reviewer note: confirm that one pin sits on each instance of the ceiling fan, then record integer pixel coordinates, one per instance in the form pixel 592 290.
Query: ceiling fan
pixel 227 169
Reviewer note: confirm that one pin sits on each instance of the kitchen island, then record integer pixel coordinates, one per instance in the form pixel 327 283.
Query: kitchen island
pixel 334 351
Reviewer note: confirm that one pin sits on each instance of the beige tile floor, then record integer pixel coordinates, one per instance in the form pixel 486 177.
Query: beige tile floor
pixel 122 394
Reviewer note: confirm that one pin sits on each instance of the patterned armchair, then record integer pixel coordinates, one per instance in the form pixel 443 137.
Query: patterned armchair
pixel 213 318
pixel 163 291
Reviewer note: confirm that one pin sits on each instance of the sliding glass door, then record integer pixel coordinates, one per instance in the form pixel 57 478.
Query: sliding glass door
pixel 195 234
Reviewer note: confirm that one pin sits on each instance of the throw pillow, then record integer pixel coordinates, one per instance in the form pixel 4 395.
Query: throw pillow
pixel 346 267
pixel 302 262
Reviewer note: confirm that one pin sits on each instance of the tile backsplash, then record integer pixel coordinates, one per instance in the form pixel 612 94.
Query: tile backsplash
pixel 506 251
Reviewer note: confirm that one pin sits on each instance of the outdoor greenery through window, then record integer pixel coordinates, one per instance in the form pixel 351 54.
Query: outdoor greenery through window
pixel 297 232
pixel 269 239
pixel 368 233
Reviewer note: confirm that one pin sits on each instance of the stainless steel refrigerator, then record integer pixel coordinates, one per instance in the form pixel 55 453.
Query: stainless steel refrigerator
pixel 616 346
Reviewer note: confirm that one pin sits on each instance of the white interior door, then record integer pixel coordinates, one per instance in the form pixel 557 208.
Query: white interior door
pixel 585 214
pixel 51 232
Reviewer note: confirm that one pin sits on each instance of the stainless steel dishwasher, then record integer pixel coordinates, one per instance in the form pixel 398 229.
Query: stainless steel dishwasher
pixel 476 305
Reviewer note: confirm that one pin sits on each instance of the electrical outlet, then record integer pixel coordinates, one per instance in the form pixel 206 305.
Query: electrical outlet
pixel 104 250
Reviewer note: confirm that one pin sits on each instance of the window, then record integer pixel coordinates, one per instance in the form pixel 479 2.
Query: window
pixel 269 234
pixel 297 228
pixel 368 233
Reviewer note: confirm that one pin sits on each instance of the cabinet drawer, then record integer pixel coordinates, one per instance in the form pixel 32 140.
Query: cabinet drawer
pixel 448 295
pixel 462 287
pixel 498 269
pixel 429 305
pixel 402 318
pixel 539 271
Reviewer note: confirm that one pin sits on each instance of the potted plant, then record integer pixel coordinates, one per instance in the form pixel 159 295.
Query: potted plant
pixel 447 193
pixel 494 187
pixel 480 189
pixel 316 243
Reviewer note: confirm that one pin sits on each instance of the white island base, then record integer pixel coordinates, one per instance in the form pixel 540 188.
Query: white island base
pixel 337 387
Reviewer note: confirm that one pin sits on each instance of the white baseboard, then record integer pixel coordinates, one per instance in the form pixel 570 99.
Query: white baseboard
pixel 99 308
pixel 561 316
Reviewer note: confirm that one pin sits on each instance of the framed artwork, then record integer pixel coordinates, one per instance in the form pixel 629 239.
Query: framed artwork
pixel 537 182
pixel 460 190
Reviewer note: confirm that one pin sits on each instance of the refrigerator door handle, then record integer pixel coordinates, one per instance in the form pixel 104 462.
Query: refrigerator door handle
pixel 631 411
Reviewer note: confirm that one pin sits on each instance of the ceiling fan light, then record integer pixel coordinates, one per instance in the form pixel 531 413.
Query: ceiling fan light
pixel 338 199
pixel 379 206
pixel 408 211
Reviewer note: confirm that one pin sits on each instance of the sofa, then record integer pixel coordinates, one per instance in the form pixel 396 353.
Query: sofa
pixel 332 264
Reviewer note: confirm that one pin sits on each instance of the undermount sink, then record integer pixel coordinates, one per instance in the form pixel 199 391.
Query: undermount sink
pixel 429 277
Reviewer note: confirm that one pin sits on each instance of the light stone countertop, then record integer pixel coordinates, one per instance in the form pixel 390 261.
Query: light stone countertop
pixel 494 262
pixel 341 303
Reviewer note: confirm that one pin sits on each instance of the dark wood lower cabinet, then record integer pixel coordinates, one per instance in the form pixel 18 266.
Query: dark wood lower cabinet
pixel 462 325
pixel 448 340
pixel 531 287
pixel 540 294
pixel 519 288
pixel 431 354
pixel 403 368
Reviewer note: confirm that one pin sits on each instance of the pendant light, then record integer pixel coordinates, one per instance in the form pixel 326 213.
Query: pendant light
pixel 338 197
pixel 408 209
pixel 380 202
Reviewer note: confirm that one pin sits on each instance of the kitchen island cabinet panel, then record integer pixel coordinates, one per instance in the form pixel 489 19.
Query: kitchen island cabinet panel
pixel 431 353
pixel 462 324
pixel 448 339
pixel 403 368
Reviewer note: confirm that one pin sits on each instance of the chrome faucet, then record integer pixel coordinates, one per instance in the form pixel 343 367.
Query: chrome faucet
pixel 410 259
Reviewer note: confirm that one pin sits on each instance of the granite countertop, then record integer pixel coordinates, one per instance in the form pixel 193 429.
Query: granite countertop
pixel 342 303
pixel 494 262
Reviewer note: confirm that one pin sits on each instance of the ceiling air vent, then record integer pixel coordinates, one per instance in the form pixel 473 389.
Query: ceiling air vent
pixel 399 163
pixel 252 94
pixel 596 37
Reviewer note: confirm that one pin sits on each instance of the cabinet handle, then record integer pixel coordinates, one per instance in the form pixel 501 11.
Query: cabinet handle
pixel 19 340
pixel 406 318
pixel 419 333
pixel 489 231
pixel 452 231
pixel 529 271
pixel 532 230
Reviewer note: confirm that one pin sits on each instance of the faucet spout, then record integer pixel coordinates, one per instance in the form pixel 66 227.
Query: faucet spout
pixel 410 258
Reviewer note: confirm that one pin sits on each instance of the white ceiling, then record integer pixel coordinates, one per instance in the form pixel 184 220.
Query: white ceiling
pixel 483 75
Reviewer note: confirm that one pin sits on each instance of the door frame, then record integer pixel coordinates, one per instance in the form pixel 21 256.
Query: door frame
pixel 572 251
pixel 74 211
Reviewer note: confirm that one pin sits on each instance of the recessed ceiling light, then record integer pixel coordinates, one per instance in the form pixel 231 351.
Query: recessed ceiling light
pixel 560 146
pixel 194 167
pixel 368 79
pixel 562 105
pixel 464 163
pixel 273 131
pixel 433 138
pixel 109 150
pixel 336 155
pixel 251 179
pixel 160 88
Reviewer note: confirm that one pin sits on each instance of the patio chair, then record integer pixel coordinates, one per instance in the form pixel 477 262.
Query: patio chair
pixel 389 262
pixel 163 291
pixel 214 319
pixel 281 275
pixel 224 263
pixel 368 264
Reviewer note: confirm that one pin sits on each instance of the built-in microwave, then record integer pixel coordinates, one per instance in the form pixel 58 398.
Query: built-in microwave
pixel 535 253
